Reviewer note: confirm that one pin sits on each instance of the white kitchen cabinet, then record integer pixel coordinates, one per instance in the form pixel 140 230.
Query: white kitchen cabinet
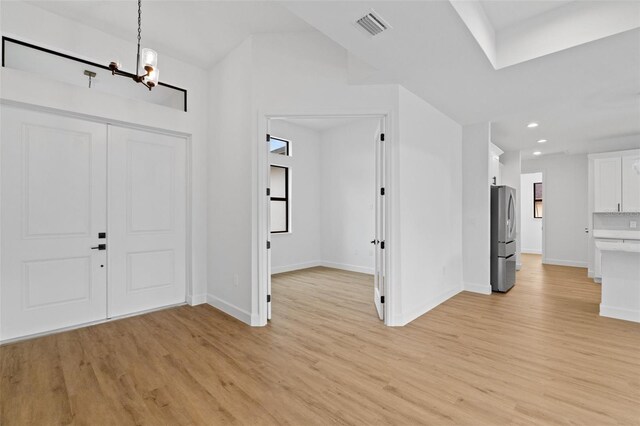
pixel 631 183
pixel 614 188
pixel 607 174
pixel 597 270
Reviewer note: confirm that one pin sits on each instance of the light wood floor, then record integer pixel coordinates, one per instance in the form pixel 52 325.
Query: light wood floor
pixel 539 354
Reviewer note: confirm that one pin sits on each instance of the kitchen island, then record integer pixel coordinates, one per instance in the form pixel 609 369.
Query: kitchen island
pixel 620 280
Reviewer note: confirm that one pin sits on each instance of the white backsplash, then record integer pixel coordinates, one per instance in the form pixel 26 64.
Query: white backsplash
pixel 616 221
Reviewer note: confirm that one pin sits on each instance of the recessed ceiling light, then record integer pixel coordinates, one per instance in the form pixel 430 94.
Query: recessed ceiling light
pixel 542 141
pixel 537 153
pixel 532 125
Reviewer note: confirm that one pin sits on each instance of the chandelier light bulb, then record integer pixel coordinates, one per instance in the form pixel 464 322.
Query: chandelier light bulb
pixel 148 59
pixel 152 78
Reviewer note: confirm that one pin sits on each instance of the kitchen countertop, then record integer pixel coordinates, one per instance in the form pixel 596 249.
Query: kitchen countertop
pixel 619 234
pixel 615 246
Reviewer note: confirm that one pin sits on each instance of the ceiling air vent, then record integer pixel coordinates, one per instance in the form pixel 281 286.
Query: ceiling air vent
pixel 373 23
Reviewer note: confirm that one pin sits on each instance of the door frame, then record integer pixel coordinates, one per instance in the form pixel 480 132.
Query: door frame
pixel 261 203
pixel 545 206
pixel 189 296
pixel 545 209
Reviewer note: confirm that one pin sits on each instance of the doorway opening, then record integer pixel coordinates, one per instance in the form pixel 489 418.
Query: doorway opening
pixel 326 229
pixel 532 211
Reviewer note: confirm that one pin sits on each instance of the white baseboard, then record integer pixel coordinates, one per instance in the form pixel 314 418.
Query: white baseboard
pixel 418 312
pixel 589 273
pixel 619 313
pixel 530 251
pixel 231 309
pixel 518 266
pixel 295 267
pixel 196 299
pixel 560 262
pixel 347 267
pixel 255 321
pixel 477 288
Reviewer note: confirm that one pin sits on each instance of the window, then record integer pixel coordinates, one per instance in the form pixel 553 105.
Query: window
pixel 279 146
pixel 537 200
pixel 279 199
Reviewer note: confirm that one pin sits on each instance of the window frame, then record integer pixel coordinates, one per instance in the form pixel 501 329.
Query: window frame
pixel 286 142
pixel 285 198
pixel 6 40
pixel 536 200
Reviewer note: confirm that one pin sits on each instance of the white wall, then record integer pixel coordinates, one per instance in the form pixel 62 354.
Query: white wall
pixel 531 228
pixel 565 207
pixel 476 208
pixel 32 24
pixel 430 206
pixel 230 185
pixel 302 247
pixel 510 176
pixel 348 195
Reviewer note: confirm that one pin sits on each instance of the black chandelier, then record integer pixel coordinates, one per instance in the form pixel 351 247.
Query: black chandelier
pixel 146 59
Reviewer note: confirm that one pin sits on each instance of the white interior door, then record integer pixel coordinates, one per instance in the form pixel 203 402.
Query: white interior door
pixel 379 240
pixel 268 149
pixel 146 235
pixel 53 207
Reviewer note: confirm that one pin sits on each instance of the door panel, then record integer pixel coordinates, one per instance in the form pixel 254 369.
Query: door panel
pixel 57 181
pixel 147 223
pixel 53 207
pixel 607 184
pixel 151 178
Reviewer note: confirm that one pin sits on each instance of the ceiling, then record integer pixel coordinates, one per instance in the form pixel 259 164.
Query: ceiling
pixel 197 32
pixel 503 14
pixel 586 98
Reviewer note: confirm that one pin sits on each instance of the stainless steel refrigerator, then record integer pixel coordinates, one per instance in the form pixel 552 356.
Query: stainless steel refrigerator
pixel 503 238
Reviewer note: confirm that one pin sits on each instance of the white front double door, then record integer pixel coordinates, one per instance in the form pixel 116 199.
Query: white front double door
pixel 70 186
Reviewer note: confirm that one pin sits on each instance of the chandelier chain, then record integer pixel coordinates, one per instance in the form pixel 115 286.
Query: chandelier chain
pixel 139 36
pixel 139 21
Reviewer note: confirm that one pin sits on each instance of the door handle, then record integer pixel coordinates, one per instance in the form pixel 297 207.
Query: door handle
pixel 99 247
pixel 374 242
